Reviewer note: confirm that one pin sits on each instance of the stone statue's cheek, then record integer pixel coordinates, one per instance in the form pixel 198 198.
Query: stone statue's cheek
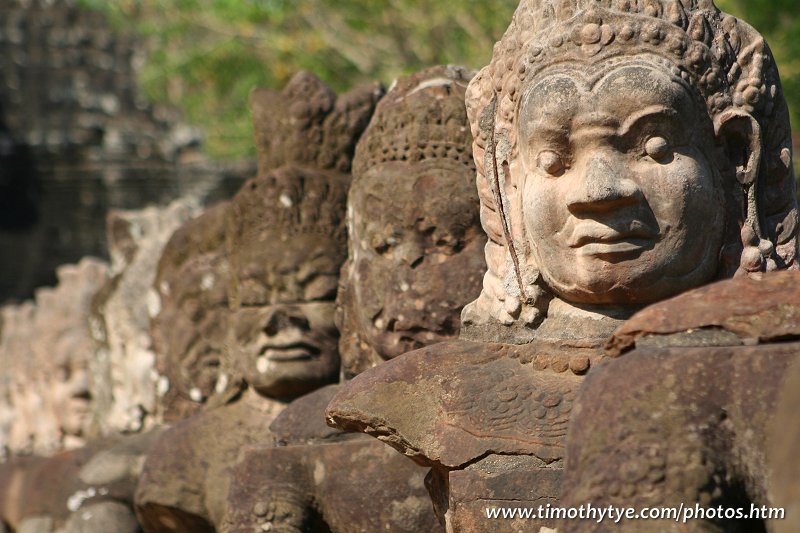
pixel 544 205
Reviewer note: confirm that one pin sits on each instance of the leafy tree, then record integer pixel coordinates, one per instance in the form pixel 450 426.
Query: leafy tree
pixel 206 55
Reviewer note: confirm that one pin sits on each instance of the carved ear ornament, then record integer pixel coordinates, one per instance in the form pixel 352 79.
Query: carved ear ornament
pixel 498 173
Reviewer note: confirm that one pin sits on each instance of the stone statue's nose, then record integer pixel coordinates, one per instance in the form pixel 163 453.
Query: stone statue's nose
pixel 603 184
pixel 283 319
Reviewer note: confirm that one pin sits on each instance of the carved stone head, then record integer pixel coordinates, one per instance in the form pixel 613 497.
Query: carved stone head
pixel 45 351
pixel 627 151
pixel 64 342
pixel 190 328
pixel 415 241
pixel 286 242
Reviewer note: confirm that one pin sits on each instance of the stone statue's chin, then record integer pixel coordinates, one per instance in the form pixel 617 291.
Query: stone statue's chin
pixel 662 271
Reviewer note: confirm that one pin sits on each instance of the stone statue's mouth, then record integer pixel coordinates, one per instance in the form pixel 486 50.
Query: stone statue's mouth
pixel 81 397
pixel 625 245
pixel 295 351
pixel 589 236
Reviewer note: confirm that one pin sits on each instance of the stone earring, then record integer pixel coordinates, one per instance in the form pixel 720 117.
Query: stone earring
pixel 756 253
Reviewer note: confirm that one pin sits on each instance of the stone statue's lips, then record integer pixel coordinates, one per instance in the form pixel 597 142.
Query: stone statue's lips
pixel 81 395
pixel 617 247
pixel 595 238
pixel 292 351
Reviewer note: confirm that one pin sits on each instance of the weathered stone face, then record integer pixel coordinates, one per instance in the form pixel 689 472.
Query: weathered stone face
pixel 398 298
pixel 45 351
pixel 619 151
pixel 287 243
pixel 412 266
pixel 287 349
pixel 62 348
pixel 621 200
pixel 269 332
pixel 190 329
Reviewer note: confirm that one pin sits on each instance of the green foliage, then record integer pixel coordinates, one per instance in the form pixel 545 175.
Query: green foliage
pixel 206 55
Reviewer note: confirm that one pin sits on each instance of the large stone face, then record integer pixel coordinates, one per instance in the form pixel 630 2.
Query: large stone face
pixel 286 242
pixel 572 217
pixel 411 268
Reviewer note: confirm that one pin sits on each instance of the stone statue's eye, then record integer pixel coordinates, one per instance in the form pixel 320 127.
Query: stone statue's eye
pixel 657 147
pixel 551 162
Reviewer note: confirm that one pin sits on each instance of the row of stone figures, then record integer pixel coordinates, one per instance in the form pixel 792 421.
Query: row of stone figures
pixel 222 372
pixel 152 392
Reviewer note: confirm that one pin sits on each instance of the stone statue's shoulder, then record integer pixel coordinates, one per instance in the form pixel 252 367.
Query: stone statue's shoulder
pixel 454 402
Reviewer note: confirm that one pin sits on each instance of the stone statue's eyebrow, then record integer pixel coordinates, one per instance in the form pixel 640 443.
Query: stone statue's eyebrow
pixel 596 120
pixel 545 129
pixel 647 112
